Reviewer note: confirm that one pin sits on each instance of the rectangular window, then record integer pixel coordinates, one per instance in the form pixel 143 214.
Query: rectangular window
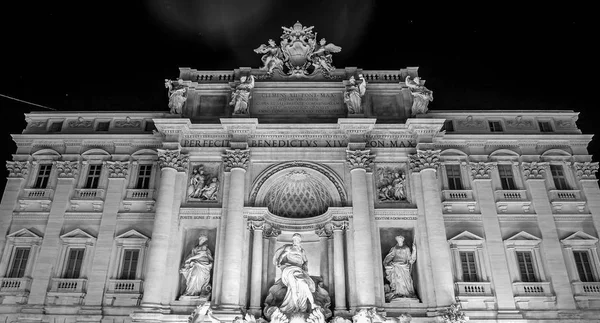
pixel 495 126
pixel 506 177
pixel 143 180
pixel 17 269
pixel 56 126
pixel 584 268
pixel 525 261
pixel 74 262
pixel 93 177
pixel 469 268
pixel 130 261
pixel 453 174
pixel 448 126
pixel 43 176
pixel 103 126
pixel 545 126
pixel 558 174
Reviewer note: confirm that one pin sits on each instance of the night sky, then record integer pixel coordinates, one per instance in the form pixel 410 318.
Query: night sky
pixel 103 55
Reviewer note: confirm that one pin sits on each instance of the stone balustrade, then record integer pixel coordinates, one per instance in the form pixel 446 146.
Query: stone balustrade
pixel 565 195
pixel 532 289
pixel 457 195
pixel 587 288
pixel 511 195
pixel 68 285
pixel 38 193
pixel 473 288
pixel 116 286
pixel 139 194
pixel 88 194
pixel 15 284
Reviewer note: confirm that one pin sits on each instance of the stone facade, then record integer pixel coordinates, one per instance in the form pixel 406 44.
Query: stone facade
pixel 500 209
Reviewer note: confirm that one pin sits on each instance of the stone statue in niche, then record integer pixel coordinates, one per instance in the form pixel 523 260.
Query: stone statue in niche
pixel 240 98
pixel 421 95
pixel 398 266
pixel 202 186
pixel 196 269
pixel 177 95
pixel 296 293
pixel 355 90
pixel 391 186
pixel 272 58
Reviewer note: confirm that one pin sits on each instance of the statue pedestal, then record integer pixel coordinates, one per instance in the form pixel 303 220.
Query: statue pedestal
pixel 240 115
pixel 356 115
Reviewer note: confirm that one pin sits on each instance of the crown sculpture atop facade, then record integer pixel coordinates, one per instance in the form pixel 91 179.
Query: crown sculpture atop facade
pixel 298 53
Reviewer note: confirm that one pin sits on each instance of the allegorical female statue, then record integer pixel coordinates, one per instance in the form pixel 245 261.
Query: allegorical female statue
pixel 302 293
pixel 177 95
pixel 355 90
pixel 240 98
pixel 196 269
pixel 421 95
pixel 398 264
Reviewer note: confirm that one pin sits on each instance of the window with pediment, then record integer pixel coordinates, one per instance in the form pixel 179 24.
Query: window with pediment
pixel 19 254
pixel 75 254
pixel 582 257
pixel 468 255
pixel 130 252
pixel 525 262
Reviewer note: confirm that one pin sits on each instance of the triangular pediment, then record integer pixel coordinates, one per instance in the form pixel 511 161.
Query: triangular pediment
pixel 522 239
pixel 466 235
pixel 77 234
pixel 132 234
pixel 23 234
pixel 579 238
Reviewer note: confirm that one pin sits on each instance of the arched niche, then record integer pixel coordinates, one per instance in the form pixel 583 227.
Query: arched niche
pixel 299 174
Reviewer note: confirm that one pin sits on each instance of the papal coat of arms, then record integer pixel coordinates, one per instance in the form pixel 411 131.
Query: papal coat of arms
pixel 298 52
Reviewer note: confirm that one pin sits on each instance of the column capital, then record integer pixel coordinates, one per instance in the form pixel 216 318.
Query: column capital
pixel 482 170
pixel 172 158
pixel 271 231
pixel 424 159
pixel 324 231
pixel 236 158
pixel 358 159
pixel 117 169
pixel 257 225
pixel 339 225
pixel 17 168
pixel 66 168
pixel 534 170
pixel 586 170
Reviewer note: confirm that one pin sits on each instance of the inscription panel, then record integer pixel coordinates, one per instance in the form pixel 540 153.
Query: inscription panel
pixel 297 103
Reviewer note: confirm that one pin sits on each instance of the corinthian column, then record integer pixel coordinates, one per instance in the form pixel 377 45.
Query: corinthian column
pixel 359 162
pixel 235 162
pixel 257 262
pixel 170 162
pixel 425 163
pixel 339 267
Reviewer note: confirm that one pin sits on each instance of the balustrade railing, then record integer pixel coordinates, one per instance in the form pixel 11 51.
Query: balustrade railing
pixel 383 76
pixel 565 195
pixel 511 195
pixel 139 194
pixel 457 195
pixel 532 289
pixel 68 285
pixel 38 193
pixel 89 193
pixel 124 286
pixel 473 288
pixel 587 288
pixel 15 284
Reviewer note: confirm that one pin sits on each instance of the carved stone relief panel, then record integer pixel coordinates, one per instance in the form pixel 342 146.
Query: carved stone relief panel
pixel 204 183
pixel 391 182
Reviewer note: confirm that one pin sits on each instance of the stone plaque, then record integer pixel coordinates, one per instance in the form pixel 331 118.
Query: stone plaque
pixel 298 103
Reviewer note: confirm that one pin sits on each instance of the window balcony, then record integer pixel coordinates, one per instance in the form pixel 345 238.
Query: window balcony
pixel 11 285
pixel 139 194
pixel 587 289
pixel 38 193
pixel 88 194
pixel 532 289
pixel 457 195
pixel 121 286
pixel 68 285
pixel 565 195
pixel 511 195
pixel 473 288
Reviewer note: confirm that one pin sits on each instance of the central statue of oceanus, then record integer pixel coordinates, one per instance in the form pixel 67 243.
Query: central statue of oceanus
pixel 298 53
pixel 296 293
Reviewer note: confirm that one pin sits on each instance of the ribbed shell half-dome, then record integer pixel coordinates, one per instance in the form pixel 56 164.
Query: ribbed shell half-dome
pixel 298 195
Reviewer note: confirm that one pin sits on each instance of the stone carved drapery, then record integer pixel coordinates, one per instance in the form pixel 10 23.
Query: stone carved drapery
pixel 481 170
pixel 66 168
pixel 117 169
pixel 17 168
pixel 172 159
pixel 236 159
pixel 534 170
pixel 424 159
pixel 586 170
pixel 359 159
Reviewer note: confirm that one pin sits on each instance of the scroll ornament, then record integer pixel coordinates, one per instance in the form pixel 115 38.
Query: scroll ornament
pixel 67 169
pixel 359 159
pixel 172 159
pixel 534 170
pixel 117 169
pixel 424 159
pixel 481 170
pixel 586 170
pixel 17 168
pixel 236 159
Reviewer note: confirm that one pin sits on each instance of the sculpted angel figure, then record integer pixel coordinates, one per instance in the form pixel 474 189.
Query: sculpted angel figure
pixel 321 56
pixel 240 97
pixel 355 90
pixel 398 264
pixel 421 95
pixel 272 58
pixel 177 96
pixel 196 269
